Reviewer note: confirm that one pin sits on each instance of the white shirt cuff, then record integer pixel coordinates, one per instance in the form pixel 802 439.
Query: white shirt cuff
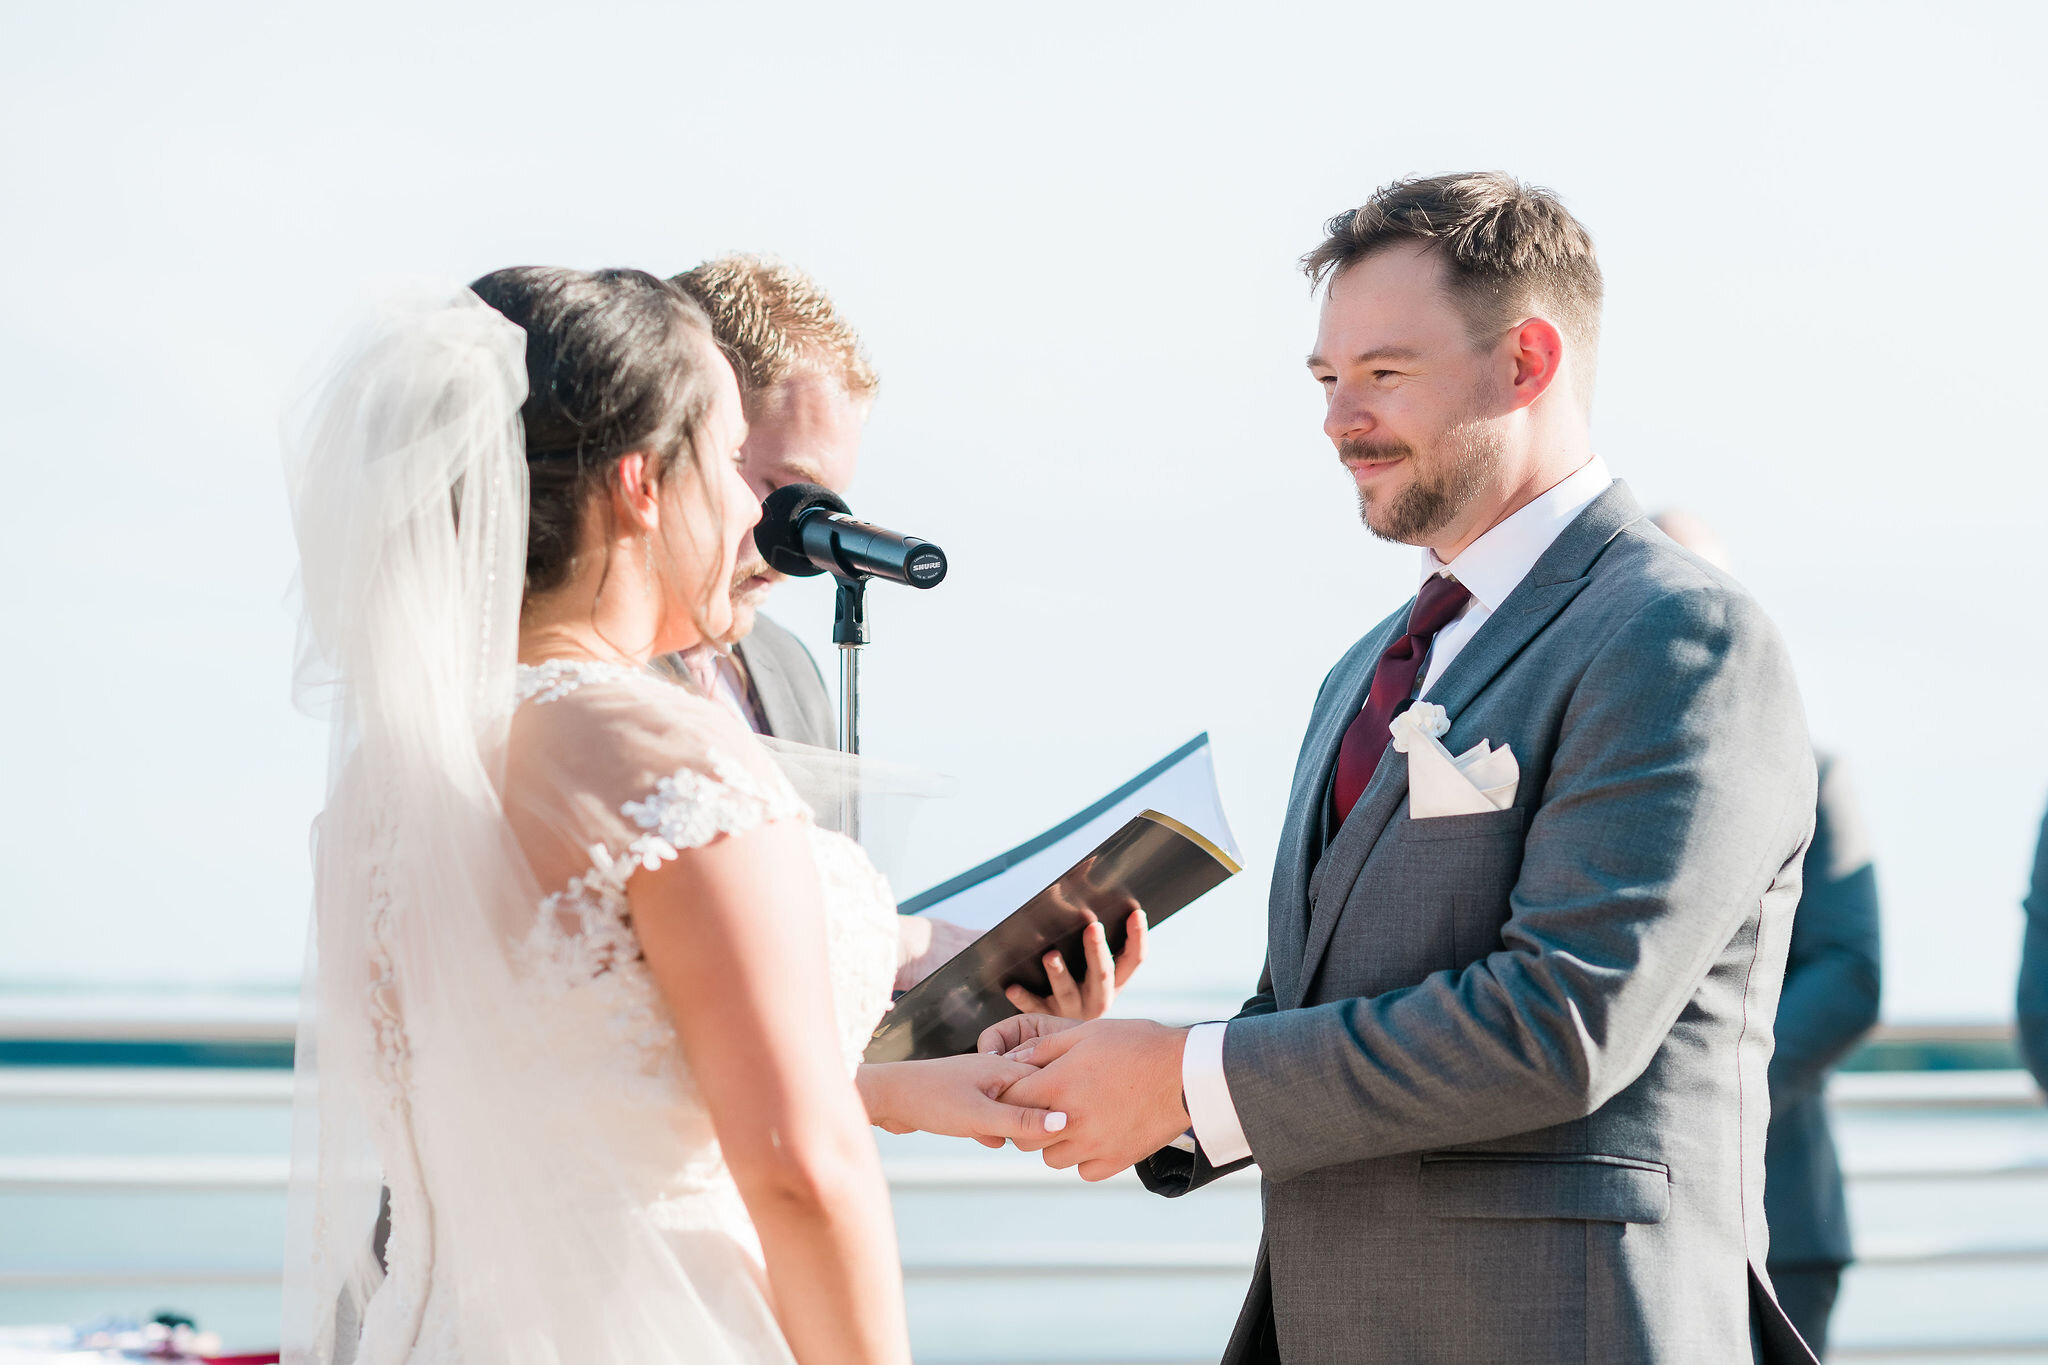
pixel 1208 1095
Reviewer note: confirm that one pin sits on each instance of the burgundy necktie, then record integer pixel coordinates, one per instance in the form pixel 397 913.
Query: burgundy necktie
pixel 1393 687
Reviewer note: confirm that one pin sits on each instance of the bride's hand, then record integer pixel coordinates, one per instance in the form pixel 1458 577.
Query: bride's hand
pixel 1011 1039
pixel 956 1097
pixel 1091 998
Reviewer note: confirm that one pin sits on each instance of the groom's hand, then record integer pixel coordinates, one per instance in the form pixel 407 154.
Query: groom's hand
pixel 1118 1082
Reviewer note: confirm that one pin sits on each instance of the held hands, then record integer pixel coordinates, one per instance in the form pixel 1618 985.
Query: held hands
pixel 1118 1079
pixel 956 1097
pixel 968 1096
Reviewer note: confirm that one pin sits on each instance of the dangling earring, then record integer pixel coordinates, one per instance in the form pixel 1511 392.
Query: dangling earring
pixel 647 563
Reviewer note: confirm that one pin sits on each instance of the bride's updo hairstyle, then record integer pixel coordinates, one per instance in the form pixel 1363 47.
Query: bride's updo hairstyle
pixel 615 363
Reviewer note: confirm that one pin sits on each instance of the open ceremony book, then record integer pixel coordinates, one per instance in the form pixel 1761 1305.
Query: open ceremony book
pixel 1120 854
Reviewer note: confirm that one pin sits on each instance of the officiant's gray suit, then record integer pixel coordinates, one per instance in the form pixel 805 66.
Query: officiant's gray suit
pixel 787 686
pixel 1505 1074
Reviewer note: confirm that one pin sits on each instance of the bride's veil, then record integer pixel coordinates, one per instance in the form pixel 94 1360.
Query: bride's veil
pixel 419 1064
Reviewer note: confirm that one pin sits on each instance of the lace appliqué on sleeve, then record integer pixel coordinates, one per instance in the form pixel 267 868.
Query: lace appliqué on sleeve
pixel 583 943
pixel 690 809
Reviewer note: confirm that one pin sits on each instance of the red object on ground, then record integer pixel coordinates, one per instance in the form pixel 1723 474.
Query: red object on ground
pixel 270 1359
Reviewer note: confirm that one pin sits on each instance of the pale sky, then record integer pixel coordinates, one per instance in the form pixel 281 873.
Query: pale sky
pixel 1067 233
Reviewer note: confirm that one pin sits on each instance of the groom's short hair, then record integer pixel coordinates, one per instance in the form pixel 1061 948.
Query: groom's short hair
pixel 773 321
pixel 1510 249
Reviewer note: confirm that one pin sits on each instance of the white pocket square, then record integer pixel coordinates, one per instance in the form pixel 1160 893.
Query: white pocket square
pixel 1479 780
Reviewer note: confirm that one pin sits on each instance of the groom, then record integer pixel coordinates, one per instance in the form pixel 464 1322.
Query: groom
pixel 1505 1072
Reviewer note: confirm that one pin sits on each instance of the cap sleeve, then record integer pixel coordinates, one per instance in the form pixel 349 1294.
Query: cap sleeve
pixel 625 772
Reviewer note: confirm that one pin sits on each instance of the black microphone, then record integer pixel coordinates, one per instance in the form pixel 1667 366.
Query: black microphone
pixel 807 529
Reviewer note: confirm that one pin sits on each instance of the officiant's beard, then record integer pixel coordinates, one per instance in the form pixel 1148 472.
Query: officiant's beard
pixel 1441 484
pixel 752 580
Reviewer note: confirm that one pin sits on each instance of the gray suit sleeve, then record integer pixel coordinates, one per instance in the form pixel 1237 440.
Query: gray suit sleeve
pixel 2033 989
pixel 1681 786
pixel 1832 974
pixel 1262 1001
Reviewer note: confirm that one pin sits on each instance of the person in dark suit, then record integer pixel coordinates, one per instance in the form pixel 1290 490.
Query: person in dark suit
pixel 2033 988
pixel 1830 1002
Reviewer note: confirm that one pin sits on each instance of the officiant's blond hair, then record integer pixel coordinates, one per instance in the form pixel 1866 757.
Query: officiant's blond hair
pixel 1510 249
pixel 773 321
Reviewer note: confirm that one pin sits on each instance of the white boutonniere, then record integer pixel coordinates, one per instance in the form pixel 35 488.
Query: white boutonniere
pixel 1481 779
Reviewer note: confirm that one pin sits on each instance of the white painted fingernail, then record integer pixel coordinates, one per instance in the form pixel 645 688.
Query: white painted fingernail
pixel 1055 1121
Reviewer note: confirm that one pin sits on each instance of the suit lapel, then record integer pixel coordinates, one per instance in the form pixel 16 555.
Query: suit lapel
pixel 1549 586
pixel 1301 836
pixel 779 711
pixel 1360 831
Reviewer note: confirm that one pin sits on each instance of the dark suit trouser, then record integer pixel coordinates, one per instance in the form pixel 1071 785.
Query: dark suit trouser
pixel 1264 1340
pixel 1807 1294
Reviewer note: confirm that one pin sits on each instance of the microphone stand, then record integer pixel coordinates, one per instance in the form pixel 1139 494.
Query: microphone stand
pixel 849 632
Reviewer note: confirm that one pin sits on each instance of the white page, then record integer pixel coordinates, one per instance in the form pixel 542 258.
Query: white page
pixel 1183 786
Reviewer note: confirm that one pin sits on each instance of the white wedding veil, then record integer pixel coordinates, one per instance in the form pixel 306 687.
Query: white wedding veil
pixel 421 1066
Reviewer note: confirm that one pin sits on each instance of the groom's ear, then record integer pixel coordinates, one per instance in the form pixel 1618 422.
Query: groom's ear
pixel 1535 355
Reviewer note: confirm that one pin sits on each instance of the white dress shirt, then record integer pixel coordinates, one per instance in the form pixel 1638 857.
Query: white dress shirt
pixel 714 675
pixel 732 690
pixel 1490 568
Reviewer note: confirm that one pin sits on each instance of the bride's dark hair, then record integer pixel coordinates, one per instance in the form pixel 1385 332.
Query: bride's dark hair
pixel 615 362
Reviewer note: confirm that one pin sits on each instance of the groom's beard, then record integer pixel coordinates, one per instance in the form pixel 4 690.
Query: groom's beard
pixel 1440 484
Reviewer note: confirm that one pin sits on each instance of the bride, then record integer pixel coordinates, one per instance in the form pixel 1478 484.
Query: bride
pixel 587 988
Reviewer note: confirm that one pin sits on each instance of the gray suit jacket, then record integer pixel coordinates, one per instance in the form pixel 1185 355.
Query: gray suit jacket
pixel 2033 988
pixel 1505 1074
pixel 788 687
pixel 1830 1002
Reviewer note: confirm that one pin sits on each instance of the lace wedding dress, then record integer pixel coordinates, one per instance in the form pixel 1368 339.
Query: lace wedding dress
pixel 610 771
pixel 478 1031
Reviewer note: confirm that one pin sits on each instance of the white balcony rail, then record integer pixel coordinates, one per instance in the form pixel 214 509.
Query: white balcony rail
pixel 150 1187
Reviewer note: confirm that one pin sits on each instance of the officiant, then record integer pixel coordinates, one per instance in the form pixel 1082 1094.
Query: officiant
pixel 807 386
